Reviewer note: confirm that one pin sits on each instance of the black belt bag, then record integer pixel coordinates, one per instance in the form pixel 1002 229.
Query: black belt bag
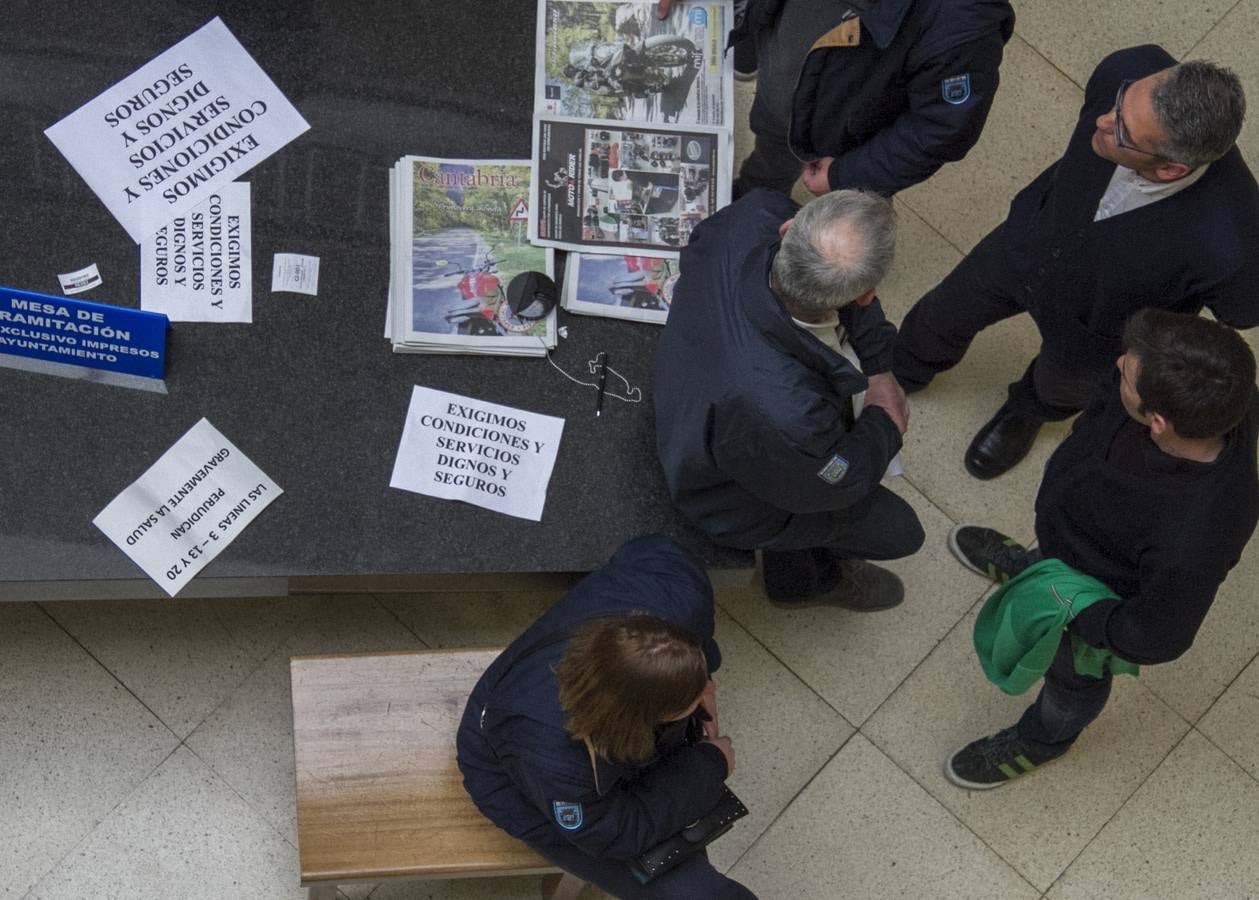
pixel 670 852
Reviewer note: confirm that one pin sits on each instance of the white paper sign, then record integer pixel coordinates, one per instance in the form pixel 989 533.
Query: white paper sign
pixel 199 268
pixel 163 139
pixel 187 507
pixel 296 273
pixel 83 280
pixel 493 456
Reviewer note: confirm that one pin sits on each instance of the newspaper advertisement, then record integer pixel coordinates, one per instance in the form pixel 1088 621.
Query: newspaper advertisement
pixel 630 188
pixel 459 238
pixel 638 288
pixel 621 62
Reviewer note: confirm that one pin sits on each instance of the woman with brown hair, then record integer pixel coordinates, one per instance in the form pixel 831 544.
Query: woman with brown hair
pixel 594 736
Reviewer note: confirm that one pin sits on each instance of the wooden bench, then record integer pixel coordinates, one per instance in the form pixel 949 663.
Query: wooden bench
pixel 379 796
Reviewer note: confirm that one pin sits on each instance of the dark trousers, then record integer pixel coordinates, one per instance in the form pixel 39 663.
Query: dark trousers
pixel 803 560
pixel 771 164
pixel 981 291
pixel 690 880
pixel 1067 703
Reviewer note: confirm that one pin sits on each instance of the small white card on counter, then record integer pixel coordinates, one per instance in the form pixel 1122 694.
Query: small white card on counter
pixel 187 507
pixel 199 267
pixel 296 273
pixel 460 448
pixel 83 280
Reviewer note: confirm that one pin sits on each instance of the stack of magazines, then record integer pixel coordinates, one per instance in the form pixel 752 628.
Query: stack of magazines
pixel 457 237
pixel 632 144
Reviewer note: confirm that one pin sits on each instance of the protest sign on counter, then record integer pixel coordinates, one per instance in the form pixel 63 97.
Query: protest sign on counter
pixel 187 507
pixel 170 134
pixel 460 448
pixel 199 267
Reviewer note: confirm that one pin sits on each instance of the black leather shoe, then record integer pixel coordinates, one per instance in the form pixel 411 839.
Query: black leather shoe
pixel 1001 443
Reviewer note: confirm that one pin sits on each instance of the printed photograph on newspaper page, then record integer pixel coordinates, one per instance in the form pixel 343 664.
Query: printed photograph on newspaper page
pixel 627 189
pixel 620 62
pixel 638 288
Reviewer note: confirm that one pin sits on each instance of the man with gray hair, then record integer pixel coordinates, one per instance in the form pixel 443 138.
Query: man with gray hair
pixel 1150 206
pixel 773 333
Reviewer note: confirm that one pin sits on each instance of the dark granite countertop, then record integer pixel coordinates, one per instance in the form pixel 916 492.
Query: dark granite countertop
pixel 310 391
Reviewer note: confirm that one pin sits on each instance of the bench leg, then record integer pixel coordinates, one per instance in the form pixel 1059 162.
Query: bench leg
pixel 561 886
pixel 321 892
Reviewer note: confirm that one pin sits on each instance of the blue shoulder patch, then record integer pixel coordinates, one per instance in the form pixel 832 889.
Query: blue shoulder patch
pixel 955 89
pixel 834 470
pixel 567 815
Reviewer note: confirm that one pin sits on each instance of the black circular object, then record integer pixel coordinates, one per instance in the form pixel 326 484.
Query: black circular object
pixel 532 295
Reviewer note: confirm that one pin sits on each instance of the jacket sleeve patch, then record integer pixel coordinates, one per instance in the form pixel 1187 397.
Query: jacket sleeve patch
pixel 955 89
pixel 567 815
pixel 834 470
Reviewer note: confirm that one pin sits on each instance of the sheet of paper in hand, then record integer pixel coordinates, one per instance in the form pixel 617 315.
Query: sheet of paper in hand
pixel 163 139
pixel 488 455
pixel 187 507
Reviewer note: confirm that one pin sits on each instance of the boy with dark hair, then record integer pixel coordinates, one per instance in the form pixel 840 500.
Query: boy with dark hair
pixel 1155 494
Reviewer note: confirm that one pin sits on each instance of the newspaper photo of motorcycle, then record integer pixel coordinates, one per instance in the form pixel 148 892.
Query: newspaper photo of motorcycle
pixel 618 61
pixel 639 288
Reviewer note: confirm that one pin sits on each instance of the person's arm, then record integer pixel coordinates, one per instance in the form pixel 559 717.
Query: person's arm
pixel 1160 623
pixel 933 130
pixel 1235 302
pixel 871 334
pixel 835 475
pixel 631 817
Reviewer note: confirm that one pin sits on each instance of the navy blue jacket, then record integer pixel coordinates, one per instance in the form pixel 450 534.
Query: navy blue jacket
pixel 1162 535
pixel 1083 279
pixel 749 406
pixel 535 782
pixel 913 94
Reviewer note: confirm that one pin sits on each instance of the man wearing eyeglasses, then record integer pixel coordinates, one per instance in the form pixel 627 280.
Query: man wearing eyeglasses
pixel 1150 206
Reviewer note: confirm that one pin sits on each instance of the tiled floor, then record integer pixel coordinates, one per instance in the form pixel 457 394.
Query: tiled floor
pixel 146 751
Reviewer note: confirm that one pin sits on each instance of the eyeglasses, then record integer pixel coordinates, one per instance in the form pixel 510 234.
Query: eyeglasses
pixel 1121 132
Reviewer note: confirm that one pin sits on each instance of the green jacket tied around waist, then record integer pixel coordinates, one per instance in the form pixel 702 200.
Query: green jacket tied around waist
pixel 1021 624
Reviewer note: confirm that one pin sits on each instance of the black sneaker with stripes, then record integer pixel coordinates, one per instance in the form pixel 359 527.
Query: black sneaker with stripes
pixel 992 761
pixel 988 552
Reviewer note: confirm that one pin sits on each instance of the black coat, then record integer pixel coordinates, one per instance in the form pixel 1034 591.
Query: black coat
pixel 1083 279
pixel 913 94
pixel 750 407
pixel 1161 532
pixel 531 779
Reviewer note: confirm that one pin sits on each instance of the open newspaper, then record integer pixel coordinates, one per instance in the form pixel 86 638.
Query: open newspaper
pixel 632 144
pixel 457 238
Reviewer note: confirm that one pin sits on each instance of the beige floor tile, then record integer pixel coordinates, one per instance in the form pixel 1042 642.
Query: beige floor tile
pixel 1075 35
pixel 1232 43
pixel 1226 642
pixel 182 658
pixel 1232 721
pixel 945 418
pixel 783 734
pixel 469 620
pixel 1031 120
pixel 855 660
pixel 923 258
pixel 863 829
pixel 1189 832
pixel 248 740
pixel 1040 823
pixel 182 833
pixel 73 743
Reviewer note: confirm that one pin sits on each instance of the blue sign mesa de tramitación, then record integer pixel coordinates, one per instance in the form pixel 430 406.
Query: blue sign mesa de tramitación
pixel 81 333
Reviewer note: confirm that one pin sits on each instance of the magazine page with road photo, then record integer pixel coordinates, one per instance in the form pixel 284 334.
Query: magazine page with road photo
pixel 459 236
pixel 625 189
pixel 638 288
pixel 618 61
